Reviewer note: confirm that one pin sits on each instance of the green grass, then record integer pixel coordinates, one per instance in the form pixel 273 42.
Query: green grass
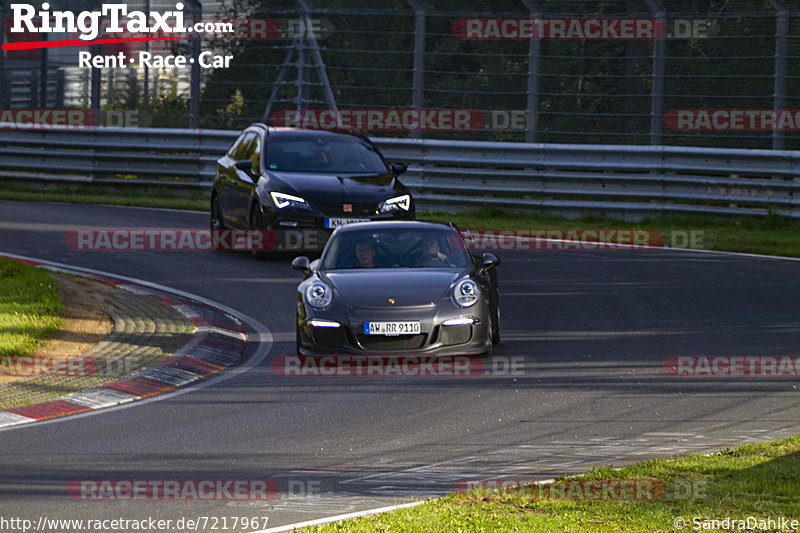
pixel 29 308
pixel 758 480
pixel 769 235
pixel 90 194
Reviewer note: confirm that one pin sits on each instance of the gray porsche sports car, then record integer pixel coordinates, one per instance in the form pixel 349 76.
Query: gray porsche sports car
pixel 399 287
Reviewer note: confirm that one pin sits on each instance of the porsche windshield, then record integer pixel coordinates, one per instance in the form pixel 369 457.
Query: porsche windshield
pixel 323 153
pixel 396 248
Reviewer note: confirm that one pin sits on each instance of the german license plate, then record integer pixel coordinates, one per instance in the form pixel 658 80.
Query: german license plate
pixel 391 328
pixel 331 223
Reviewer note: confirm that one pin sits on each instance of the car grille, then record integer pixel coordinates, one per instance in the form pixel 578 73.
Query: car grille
pixel 459 334
pixel 329 337
pixel 336 209
pixel 385 342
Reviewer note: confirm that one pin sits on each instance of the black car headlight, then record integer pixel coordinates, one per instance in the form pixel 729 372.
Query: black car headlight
pixel 319 295
pixel 398 203
pixel 466 292
pixel 283 200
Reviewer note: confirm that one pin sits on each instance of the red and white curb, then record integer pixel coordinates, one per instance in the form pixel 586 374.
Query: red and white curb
pixel 218 342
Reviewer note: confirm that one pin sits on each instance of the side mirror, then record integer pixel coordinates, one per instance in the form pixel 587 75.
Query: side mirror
pixel 489 261
pixel 244 164
pixel 398 168
pixel 301 264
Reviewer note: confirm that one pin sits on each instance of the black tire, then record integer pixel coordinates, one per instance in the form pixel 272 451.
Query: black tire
pixel 491 337
pixel 496 326
pixel 297 341
pixel 217 221
pixel 256 222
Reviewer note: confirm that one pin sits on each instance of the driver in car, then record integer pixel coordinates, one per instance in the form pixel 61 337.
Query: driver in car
pixel 365 253
pixel 430 254
pixel 335 159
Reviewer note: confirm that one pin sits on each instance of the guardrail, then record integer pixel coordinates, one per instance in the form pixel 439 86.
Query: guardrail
pixel 613 179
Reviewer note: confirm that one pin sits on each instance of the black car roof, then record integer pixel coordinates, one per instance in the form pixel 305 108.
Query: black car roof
pixel 271 130
pixel 399 224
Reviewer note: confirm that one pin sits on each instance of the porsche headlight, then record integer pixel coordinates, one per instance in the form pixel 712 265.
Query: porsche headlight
pixel 466 292
pixel 397 203
pixel 283 200
pixel 319 295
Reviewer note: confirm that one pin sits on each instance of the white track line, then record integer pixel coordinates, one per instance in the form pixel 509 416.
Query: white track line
pixel 348 516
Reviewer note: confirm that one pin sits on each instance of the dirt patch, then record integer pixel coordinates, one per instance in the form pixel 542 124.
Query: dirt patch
pixel 85 323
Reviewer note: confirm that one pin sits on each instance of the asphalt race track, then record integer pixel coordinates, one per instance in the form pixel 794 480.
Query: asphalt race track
pixel 590 331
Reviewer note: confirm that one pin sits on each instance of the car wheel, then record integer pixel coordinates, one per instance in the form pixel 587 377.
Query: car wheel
pixel 496 326
pixel 217 218
pixel 256 219
pixel 297 341
pixel 490 344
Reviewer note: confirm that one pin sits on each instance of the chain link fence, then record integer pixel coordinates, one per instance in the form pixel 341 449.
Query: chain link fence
pixel 716 73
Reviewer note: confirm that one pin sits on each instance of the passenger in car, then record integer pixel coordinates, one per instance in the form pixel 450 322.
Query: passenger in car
pixel 430 253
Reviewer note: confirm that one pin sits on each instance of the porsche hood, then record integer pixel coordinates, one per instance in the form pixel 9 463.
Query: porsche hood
pixel 390 289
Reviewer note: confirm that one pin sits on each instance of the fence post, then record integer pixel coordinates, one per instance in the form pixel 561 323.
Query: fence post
pixel 59 89
pixel 657 91
pixel 194 98
pixel 534 56
pixel 311 41
pixel 781 48
pixel 3 84
pixel 43 75
pixel 146 91
pixel 96 81
pixel 418 83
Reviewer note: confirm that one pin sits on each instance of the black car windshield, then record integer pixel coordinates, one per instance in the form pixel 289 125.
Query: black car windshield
pixel 396 248
pixel 323 153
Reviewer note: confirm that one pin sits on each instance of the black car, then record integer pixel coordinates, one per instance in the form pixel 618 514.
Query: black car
pixel 302 184
pixel 397 287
